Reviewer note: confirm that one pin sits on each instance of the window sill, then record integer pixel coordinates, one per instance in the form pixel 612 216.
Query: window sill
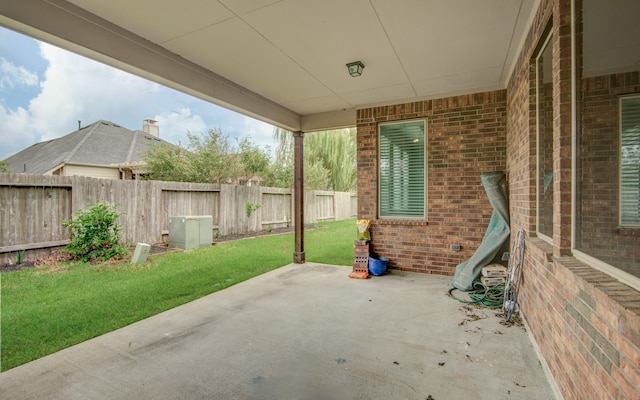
pixel 543 246
pixel 589 267
pixel 626 296
pixel 627 231
pixel 401 222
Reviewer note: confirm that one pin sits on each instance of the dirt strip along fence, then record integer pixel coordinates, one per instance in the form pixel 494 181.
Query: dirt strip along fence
pixel 33 207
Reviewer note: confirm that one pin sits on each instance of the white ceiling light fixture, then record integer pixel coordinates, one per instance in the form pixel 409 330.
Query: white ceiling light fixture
pixel 355 68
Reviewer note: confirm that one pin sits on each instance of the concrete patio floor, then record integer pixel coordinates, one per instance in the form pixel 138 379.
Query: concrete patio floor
pixel 300 332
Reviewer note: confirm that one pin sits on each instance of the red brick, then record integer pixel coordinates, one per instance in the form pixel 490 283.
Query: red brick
pixel 453 187
pixel 496 130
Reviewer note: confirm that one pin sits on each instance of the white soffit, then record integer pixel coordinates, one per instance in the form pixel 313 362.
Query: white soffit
pixel 611 37
pixel 292 53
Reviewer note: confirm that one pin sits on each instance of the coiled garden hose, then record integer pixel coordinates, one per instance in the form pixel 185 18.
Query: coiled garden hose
pixel 492 297
pixel 504 295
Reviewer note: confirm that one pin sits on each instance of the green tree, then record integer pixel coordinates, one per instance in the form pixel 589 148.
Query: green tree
pixel 336 152
pixel 3 166
pixel 209 158
pixel 281 175
pixel 254 161
pixel 166 162
pixel 329 159
pixel 282 168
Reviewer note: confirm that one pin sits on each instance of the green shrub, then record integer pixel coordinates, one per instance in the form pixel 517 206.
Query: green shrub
pixel 95 234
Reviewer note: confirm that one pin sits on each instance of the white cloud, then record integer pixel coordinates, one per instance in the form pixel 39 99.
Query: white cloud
pixel 15 125
pixel 13 75
pixel 260 132
pixel 15 132
pixel 74 89
pixel 175 125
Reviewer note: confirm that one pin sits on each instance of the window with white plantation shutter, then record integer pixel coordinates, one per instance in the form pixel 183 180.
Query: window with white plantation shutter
pixel 630 161
pixel 402 169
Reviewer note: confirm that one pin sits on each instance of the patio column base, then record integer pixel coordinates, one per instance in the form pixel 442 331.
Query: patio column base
pixel 298 257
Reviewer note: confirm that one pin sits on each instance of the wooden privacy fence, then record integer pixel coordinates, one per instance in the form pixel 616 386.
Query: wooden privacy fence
pixel 33 207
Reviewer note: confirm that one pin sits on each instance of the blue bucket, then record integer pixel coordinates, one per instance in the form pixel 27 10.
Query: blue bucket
pixel 378 267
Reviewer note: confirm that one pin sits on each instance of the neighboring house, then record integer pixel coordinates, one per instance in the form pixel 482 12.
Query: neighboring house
pixel 244 181
pixel 100 150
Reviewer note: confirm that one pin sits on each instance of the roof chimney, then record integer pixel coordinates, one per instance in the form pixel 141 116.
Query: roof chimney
pixel 149 126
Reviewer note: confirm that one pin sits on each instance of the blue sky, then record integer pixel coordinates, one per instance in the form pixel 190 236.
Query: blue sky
pixel 45 90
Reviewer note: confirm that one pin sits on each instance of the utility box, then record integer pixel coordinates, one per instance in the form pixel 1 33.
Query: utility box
pixel 190 232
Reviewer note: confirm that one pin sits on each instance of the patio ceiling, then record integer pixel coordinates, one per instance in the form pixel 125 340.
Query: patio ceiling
pixel 283 61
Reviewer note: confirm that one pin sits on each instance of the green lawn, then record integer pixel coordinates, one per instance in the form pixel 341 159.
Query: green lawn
pixel 46 309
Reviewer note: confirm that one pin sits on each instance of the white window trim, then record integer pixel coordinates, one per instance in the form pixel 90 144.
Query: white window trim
pixel 539 234
pixel 608 269
pixel 620 99
pixel 426 193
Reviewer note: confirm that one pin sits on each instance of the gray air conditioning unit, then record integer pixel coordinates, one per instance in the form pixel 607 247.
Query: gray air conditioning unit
pixel 190 232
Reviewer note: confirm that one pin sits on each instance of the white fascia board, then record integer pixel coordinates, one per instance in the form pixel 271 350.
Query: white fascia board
pixel 329 120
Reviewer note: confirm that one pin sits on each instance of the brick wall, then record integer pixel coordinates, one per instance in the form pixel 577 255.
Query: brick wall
pixel 466 136
pixel 585 323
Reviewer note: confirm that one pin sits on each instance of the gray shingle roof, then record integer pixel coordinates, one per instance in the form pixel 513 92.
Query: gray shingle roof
pixel 101 143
